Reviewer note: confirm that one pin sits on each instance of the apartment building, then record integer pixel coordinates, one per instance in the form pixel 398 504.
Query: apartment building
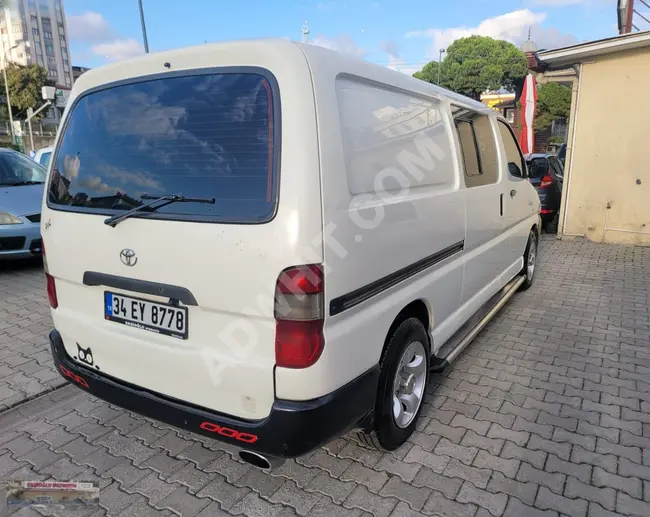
pixel 35 32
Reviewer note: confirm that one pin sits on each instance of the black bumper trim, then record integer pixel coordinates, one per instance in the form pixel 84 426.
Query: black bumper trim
pixel 292 428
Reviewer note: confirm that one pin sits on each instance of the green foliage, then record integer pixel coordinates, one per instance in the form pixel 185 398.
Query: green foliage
pixel 475 64
pixel 25 86
pixel 556 140
pixel 429 73
pixel 553 102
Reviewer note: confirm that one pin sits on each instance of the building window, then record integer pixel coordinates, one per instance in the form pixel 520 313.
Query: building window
pixel 17 27
pixel 38 49
pixel 36 32
pixel 51 60
pixel 49 48
pixel 62 39
pixel 34 20
pixel 4 30
pixel 47 34
pixel 39 58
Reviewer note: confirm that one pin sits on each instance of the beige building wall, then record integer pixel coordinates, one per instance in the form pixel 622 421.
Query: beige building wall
pixel 611 153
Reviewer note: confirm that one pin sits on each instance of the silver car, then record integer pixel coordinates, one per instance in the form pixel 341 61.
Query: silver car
pixel 21 195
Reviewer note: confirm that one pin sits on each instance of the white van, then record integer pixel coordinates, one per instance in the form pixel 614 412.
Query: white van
pixel 273 244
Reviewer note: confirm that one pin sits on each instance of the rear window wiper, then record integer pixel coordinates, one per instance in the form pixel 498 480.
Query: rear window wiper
pixel 168 200
pixel 21 183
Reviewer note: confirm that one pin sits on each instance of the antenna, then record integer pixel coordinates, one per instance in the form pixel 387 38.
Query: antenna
pixel 305 33
pixel 530 31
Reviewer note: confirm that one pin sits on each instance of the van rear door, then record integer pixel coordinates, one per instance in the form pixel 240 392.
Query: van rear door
pixel 178 298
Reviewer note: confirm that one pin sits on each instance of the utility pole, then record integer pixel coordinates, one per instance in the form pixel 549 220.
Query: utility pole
pixel 441 52
pixel 144 28
pixel 305 33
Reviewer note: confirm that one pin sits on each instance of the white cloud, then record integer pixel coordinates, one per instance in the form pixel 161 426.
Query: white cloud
pixel 342 43
pixel 511 27
pixel 89 27
pixel 118 49
pixel 395 60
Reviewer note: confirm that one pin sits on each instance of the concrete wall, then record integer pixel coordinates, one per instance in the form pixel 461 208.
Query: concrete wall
pixel 610 165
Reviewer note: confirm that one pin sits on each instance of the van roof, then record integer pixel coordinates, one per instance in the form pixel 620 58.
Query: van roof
pixel 334 59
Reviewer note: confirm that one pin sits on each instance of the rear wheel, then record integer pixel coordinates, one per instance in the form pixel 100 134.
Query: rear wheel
pixel 530 261
pixel 402 386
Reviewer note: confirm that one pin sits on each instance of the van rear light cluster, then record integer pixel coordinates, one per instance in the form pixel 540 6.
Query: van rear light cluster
pixel 51 286
pixel 299 316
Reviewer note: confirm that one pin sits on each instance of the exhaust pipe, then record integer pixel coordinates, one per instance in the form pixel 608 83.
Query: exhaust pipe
pixel 260 461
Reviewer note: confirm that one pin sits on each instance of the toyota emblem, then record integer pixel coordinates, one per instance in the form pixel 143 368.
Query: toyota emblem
pixel 128 257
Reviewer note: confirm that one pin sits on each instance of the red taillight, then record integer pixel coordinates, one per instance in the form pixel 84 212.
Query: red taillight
pixel 547 181
pixel 298 344
pixel 51 286
pixel 299 316
pixel 301 280
pixel 51 291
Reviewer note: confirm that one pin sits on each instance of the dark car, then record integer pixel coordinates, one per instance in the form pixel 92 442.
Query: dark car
pixel 546 173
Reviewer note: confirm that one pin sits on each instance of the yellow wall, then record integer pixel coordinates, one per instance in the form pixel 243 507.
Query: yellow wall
pixel 612 151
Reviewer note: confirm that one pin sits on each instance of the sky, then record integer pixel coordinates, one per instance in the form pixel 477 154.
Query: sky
pixel 402 34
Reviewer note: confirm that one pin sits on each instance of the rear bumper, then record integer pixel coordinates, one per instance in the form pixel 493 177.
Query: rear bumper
pixel 291 429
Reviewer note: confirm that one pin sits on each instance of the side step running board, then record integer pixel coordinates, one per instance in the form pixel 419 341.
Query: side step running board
pixel 464 336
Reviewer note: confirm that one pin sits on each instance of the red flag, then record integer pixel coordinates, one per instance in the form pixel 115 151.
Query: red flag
pixel 528 105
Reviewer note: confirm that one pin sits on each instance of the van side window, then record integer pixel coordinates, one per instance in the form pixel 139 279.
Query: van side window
pixel 392 140
pixel 516 165
pixel 478 147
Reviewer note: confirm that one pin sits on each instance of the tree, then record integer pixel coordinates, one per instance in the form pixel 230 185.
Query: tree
pixel 25 88
pixel 429 73
pixel 475 64
pixel 553 102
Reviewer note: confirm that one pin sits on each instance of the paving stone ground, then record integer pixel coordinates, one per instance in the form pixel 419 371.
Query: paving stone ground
pixel 26 369
pixel 546 414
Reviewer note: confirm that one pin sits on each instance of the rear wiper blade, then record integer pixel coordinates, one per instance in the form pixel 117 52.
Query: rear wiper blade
pixel 21 183
pixel 168 200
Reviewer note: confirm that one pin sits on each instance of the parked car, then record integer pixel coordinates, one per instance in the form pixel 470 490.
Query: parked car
pixel 561 155
pixel 21 195
pixel 545 172
pixel 274 255
pixel 43 156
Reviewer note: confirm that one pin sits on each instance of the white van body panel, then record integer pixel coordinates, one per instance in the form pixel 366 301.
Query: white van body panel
pixel 228 361
pixel 369 235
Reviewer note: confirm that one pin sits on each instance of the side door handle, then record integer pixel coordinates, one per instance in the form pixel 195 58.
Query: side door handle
pixel 513 193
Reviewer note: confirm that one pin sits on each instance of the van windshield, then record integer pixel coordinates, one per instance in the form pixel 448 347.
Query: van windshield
pixel 208 135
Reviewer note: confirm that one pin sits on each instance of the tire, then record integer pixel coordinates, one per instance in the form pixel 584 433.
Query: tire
pixel 551 226
pixel 530 268
pixel 388 431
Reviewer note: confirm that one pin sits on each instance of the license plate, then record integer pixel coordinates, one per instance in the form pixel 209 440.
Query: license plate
pixel 146 315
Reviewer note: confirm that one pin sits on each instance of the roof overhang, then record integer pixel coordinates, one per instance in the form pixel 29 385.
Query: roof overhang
pixel 563 57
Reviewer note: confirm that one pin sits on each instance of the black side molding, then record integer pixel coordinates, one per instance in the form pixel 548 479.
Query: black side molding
pixel 347 301
pixel 173 292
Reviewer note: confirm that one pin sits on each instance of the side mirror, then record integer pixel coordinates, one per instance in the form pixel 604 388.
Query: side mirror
pixel 514 170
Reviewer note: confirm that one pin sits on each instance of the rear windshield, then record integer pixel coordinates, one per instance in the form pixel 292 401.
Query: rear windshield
pixel 208 136
pixel 537 167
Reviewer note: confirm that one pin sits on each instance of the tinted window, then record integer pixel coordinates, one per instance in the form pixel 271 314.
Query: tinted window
pixel 17 168
pixel 516 165
pixel 45 159
pixel 392 140
pixel 478 147
pixel 538 167
pixel 202 136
